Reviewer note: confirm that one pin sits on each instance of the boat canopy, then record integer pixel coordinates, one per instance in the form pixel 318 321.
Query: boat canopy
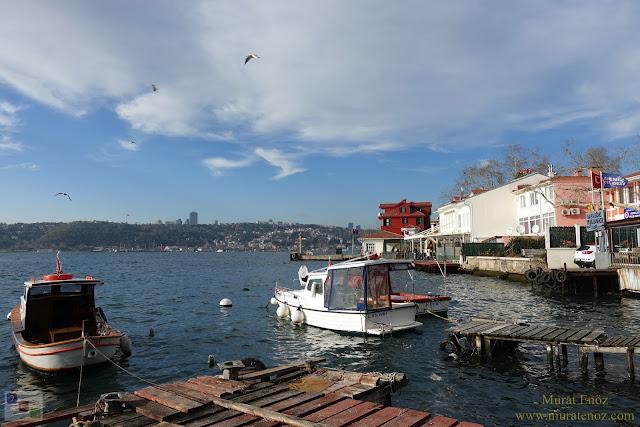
pixel 361 287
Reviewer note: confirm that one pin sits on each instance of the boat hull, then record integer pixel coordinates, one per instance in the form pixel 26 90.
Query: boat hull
pixel 67 354
pixel 373 322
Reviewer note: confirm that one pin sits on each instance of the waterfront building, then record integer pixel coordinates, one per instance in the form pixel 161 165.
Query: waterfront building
pixel 382 242
pixel 395 216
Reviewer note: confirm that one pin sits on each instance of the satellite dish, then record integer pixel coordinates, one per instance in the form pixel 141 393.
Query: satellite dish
pixel 535 228
pixel 303 274
pixel 520 229
pixel 509 231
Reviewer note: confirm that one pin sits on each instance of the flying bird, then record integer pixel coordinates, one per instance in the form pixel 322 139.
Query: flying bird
pixel 133 142
pixel 253 55
pixel 63 194
pixel 153 87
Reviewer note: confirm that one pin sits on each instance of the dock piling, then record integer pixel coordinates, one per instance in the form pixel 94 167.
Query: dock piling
pixel 630 367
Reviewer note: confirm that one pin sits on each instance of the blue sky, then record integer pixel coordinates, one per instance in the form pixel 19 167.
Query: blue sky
pixel 351 104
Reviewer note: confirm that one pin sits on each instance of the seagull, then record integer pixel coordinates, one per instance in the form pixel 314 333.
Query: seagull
pixel 134 143
pixel 253 55
pixel 153 87
pixel 63 194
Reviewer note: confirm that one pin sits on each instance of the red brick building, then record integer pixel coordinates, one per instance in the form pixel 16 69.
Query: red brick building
pixel 395 216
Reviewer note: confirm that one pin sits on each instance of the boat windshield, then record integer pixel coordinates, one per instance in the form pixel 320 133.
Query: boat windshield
pixel 378 281
pixel 345 289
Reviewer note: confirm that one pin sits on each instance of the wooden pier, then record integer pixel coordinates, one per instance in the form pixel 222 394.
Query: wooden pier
pixel 434 266
pixel 488 335
pixel 297 394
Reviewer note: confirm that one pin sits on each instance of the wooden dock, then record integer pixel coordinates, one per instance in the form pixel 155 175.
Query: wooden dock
pixel 487 335
pixel 296 256
pixel 297 394
pixel 434 266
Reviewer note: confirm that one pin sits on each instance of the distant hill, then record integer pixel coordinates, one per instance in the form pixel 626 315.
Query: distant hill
pixel 93 235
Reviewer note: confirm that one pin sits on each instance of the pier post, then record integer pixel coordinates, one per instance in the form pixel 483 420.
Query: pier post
pixel 549 356
pixel 487 346
pixel 556 350
pixel 584 359
pixel 565 358
pixel 599 360
pixel 595 285
pixel 479 344
pixel 630 367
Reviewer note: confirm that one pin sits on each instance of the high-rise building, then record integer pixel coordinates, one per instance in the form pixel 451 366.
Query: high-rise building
pixel 193 218
pixel 350 226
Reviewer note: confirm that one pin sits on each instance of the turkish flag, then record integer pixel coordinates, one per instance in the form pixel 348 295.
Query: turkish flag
pixel 596 180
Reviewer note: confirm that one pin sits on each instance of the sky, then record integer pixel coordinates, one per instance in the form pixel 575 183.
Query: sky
pixel 350 104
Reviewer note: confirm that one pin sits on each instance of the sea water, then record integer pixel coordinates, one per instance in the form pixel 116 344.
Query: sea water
pixel 178 295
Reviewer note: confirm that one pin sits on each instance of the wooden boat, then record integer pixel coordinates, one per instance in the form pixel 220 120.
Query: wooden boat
pixel 354 296
pixel 57 326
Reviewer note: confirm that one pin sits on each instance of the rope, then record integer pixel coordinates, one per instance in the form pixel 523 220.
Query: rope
pixel 441 317
pixel 84 350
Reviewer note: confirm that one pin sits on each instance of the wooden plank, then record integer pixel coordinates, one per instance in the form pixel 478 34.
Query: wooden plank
pixel 522 333
pixel 136 422
pixel 331 410
pixel 635 342
pixel 592 336
pixel 112 420
pixel 64 414
pixel 610 340
pixel 515 331
pixel 469 424
pixel 214 418
pixel 294 401
pixel 189 393
pixel 577 337
pixel 212 388
pixel 314 405
pixel 169 399
pixel 540 334
pixel 279 370
pixel 461 328
pixel 231 384
pixel 352 414
pixel 552 335
pixel 441 421
pixel 626 342
pixel 617 341
pixel 259 394
pixel 238 421
pixel 478 328
pixel 379 417
pixel 534 331
pixel 409 418
pixel 149 409
pixel 567 335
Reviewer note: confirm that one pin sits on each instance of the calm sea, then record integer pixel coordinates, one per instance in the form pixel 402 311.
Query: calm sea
pixel 178 295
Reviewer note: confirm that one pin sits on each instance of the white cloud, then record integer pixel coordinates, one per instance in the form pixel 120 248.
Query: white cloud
pixel 219 166
pixel 347 75
pixel 129 145
pixel 7 145
pixel 30 166
pixel 8 115
pixel 625 127
pixel 280 160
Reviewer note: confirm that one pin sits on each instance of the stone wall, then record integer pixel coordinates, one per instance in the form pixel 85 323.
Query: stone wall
pixel 503 264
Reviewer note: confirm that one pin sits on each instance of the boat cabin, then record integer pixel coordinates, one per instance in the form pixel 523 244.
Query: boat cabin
pixel 54 311
pixel 357 286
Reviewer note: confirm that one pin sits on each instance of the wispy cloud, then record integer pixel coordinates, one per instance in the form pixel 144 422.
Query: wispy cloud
pixel 280 160
pixel 129 145
pixel 8 115
pixel 29 166
pixel 218 166
pixel 7 145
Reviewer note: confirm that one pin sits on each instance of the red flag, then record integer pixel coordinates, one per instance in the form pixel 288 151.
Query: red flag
pixel 127 214
pixel 596 180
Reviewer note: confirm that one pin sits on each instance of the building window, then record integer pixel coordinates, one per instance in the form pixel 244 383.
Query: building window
pixel 548 193
pixel 548 220
pixel 621 195
pixel 370 247
pixel 534 220
pixel 405 220
pixel 523 203
pixel 419 221
pixel 387 222
pixel 403 209
pixel 632 195
pixel 533 198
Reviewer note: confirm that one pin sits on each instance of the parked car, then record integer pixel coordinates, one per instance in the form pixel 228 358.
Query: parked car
pixel 585 256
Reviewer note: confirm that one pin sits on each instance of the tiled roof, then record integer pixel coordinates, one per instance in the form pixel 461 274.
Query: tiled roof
pixel 383 235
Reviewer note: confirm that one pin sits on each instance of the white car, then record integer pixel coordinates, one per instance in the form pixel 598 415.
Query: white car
pixel 585 256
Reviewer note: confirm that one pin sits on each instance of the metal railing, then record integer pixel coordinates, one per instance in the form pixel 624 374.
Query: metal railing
pixel 625 259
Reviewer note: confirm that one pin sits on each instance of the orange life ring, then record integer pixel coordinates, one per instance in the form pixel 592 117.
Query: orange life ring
pixel 49 277
pixel 355 282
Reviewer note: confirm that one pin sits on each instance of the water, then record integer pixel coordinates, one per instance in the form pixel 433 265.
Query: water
pixel 178 294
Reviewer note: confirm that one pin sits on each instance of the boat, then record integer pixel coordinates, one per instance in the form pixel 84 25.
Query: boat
pixel 361 295
pixel 57 325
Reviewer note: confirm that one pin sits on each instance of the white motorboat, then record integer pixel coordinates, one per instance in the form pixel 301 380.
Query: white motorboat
pixel 353 296
pixel 57 325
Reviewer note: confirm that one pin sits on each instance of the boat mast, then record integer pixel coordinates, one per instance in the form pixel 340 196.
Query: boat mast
pixel 300 243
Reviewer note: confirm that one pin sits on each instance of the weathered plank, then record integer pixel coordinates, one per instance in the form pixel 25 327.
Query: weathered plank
pixel 441 421
pixel 523 333
pixel 352 414
pixel 515 330
pixel 231 384
pixel 469 424
pixel 577 337
pixel 378 418
pixel 150 409
pixel 538 336
pixel 293 401
pixel 279 370
pixel 478 328
pixel 592 336
pixel 314 405
pixel 211 388
pixel 189 393
pixel 169 399
pixel 331 410
pixel 564 337
pixel 552 335
pixel 410 418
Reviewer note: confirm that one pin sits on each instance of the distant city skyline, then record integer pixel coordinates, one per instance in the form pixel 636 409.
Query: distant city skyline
pixel 162 113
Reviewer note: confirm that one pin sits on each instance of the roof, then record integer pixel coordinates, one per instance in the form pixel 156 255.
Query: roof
pixel 383 235
pixel 404 201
